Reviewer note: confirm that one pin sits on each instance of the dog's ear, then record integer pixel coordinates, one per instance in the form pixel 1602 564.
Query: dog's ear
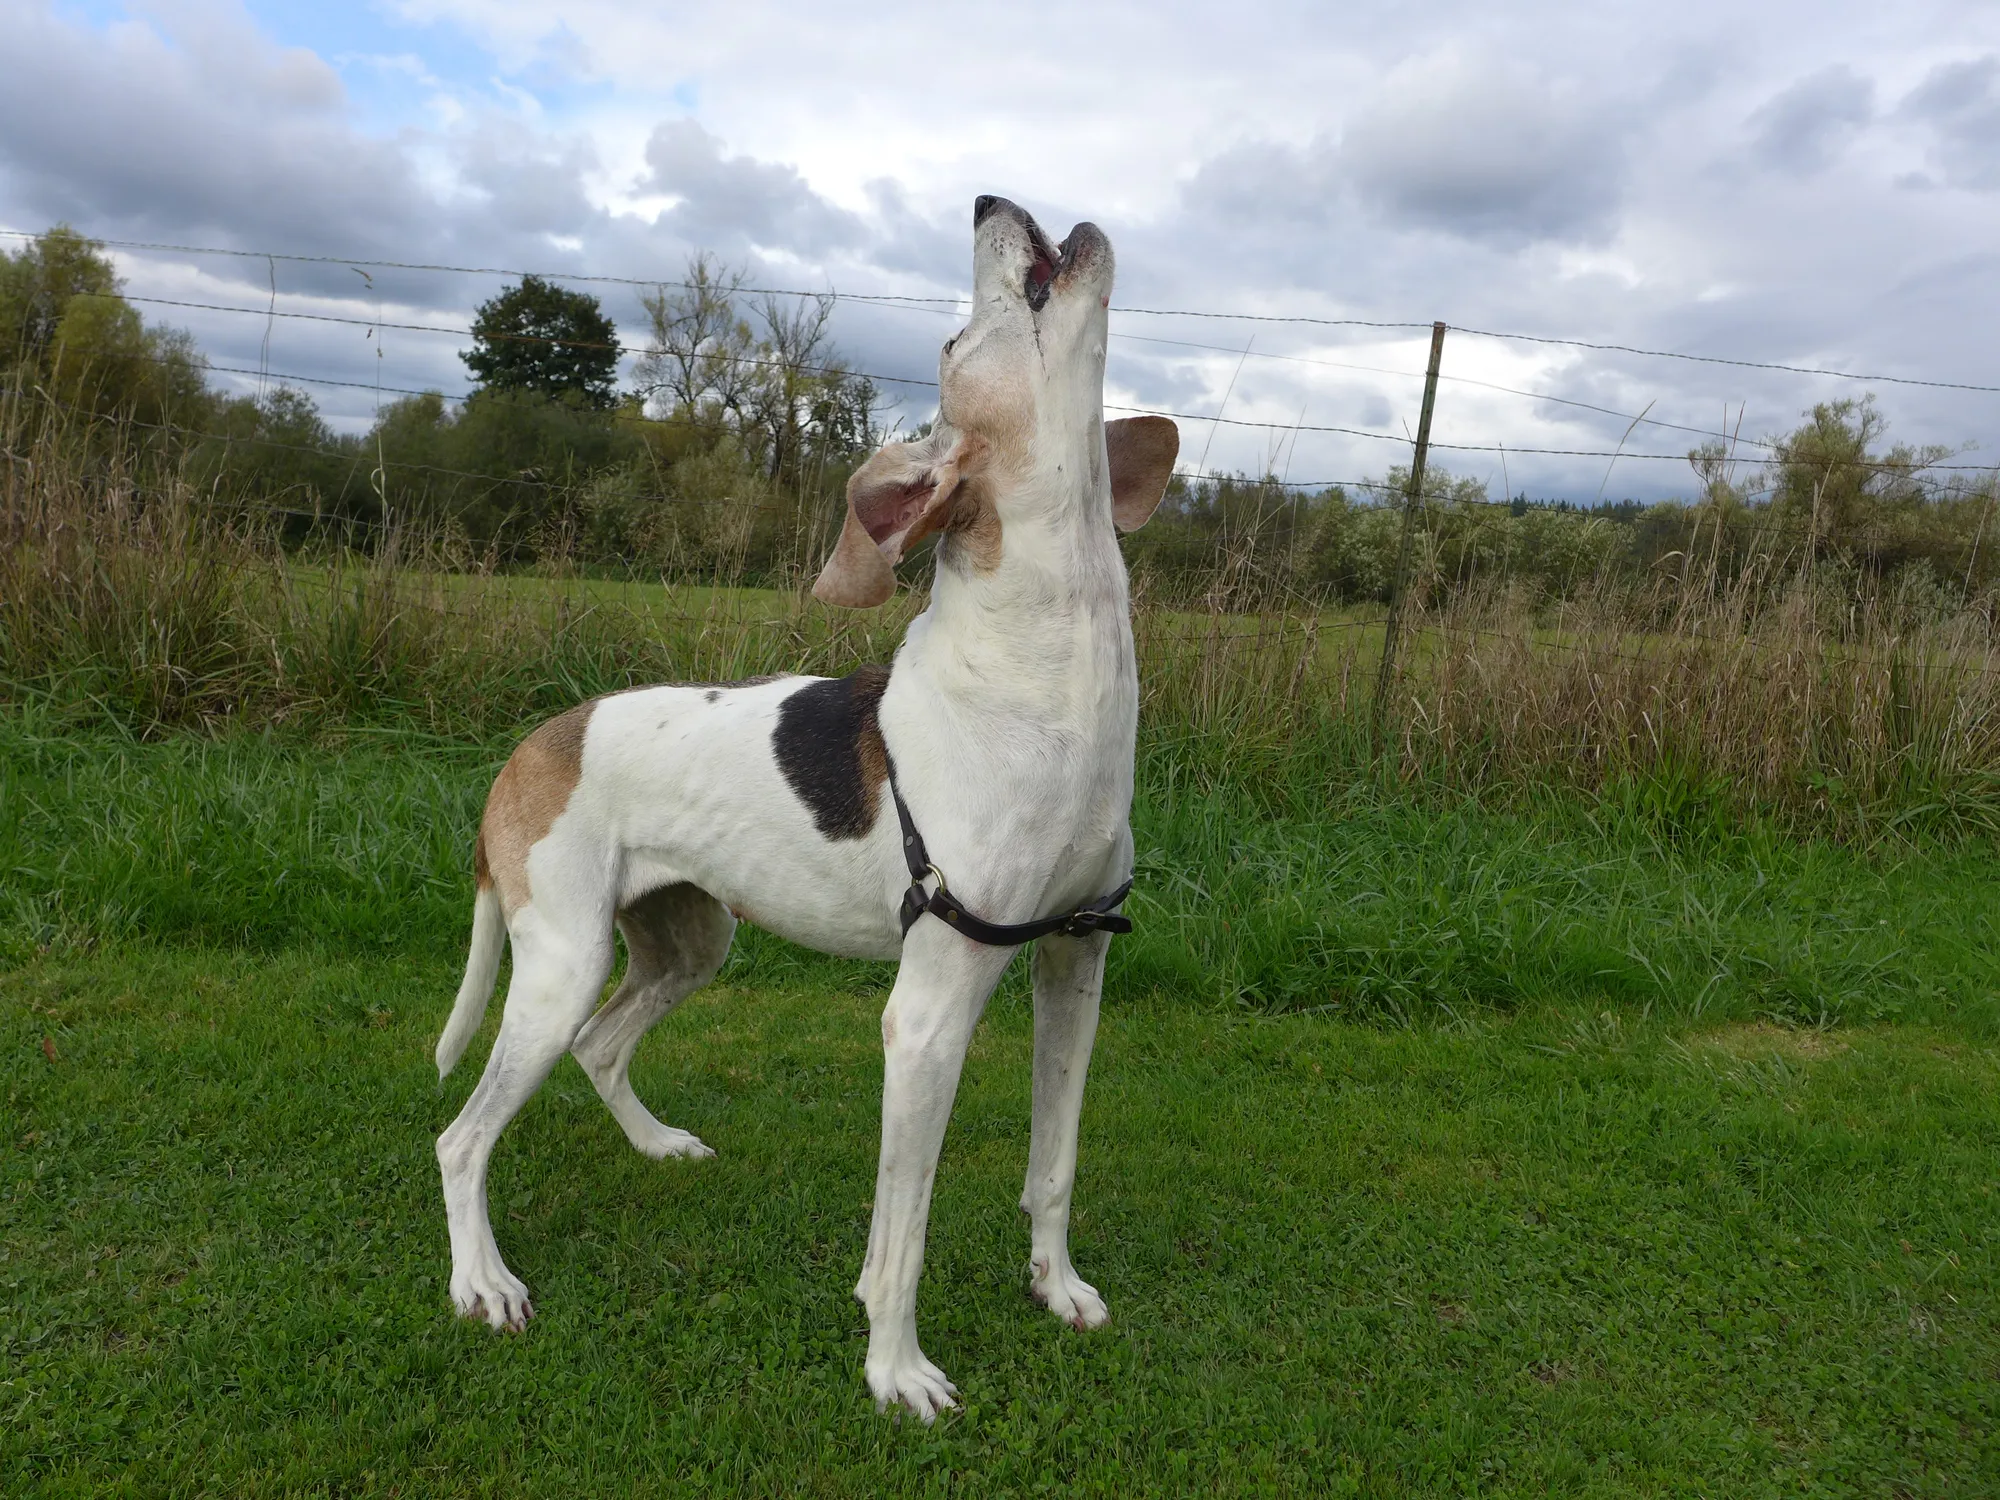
pixel 895 500
pixel 1142 451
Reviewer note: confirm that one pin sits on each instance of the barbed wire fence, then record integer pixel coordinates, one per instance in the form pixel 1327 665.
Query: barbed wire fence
pixel 1408 497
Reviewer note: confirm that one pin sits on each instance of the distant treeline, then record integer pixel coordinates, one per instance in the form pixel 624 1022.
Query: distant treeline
pixel 726 451
pixel 1832 503
pixel 728 448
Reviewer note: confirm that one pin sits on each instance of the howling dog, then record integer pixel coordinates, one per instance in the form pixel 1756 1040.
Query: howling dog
pixel 945 811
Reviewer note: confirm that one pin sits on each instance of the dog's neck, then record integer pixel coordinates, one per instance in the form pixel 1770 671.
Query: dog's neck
pixel 1050 624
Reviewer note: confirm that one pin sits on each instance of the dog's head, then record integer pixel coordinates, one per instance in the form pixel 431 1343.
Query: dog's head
pixel 1020 430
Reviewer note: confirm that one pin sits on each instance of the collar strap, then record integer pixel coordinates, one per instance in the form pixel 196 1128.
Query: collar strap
pixel 1098 916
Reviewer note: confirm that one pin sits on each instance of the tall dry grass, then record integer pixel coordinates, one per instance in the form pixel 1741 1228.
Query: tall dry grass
pixel 1876 724
pixel 126 596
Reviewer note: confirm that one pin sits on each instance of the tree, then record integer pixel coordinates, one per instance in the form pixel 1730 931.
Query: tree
pixel 786 396
pixel 700 360
pixel 1830 478
pixel 545 339
pixel 275 452
pixel 797 369
pixel 66 332
pixel 37 284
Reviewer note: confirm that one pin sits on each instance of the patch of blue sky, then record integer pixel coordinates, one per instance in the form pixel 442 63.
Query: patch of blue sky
pixel 395 70
pixel 98 13
pixel 398 73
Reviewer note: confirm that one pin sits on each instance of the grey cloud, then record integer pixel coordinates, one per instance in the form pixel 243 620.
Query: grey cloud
pixel 1374 411
pixel 1960 103
pixel 204 132
pixel 532 185
pixel 215 131
pixel 732 203
pixel 1804 127
pixel 915 244
pixel 1484 152
pixel 1175 385
pixel 1266 183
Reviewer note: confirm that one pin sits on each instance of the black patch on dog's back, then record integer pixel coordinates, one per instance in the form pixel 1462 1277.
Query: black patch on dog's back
pixel 830 750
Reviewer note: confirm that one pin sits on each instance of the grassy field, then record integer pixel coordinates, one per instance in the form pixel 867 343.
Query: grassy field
pixel 1769 695
pixel 1431 1149
pixel 1547 1252
pixel 1572 1068
pixel 1272 895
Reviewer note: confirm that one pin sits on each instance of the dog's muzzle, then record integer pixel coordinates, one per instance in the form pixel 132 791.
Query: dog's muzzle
pixel 1048 262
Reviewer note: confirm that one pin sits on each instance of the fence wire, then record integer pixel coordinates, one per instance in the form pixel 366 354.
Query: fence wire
pixel 948 304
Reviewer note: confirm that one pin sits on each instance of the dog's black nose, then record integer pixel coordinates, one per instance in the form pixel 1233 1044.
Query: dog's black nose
pixel 981 207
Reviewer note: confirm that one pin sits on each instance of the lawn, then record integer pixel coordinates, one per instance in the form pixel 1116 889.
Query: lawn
pixel 1431 1149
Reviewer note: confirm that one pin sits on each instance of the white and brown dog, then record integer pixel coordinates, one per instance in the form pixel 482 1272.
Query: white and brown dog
pixel 1004 733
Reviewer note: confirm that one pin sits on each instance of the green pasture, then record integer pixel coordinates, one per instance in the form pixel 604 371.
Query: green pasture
pixel 1430 1150
pixel 552 598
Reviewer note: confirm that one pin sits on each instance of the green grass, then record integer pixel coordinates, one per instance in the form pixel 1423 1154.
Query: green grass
pixel 650 598
pixel 1431 1149
pixel 1545 1253
pixel 1335 898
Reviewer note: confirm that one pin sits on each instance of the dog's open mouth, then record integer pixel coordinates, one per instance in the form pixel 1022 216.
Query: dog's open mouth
pixel 1047 264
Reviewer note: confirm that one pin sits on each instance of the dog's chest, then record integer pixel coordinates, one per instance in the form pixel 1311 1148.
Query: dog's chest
pixel 1023 794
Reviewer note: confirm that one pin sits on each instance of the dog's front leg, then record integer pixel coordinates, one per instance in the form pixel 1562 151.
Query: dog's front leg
pixel 940 992
pixel 1069 978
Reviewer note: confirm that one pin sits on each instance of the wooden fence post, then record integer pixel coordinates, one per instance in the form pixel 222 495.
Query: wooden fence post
pixel 1393 626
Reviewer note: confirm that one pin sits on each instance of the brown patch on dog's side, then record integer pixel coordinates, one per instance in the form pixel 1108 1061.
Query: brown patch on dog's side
pixel 528 796
pixel 482 872
pixel 869 748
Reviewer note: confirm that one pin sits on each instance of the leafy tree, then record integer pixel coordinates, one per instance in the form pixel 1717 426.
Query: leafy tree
pixel 66 332
pixel 548 340
pixel 37 284
pixel 277 454
pixel 1830 478
pixel 501 466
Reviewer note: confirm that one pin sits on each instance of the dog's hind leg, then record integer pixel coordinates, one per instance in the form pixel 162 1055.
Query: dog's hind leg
pixel 558 975
pixel 1069 977
pixel 675 940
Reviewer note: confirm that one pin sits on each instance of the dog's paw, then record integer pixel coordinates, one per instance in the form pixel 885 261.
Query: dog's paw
pixel 913 1383
pixel 494 1294
pixel 1067 1295
pixel 664 1141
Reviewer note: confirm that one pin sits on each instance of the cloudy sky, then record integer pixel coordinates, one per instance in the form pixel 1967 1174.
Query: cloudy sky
pixel 1801 183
